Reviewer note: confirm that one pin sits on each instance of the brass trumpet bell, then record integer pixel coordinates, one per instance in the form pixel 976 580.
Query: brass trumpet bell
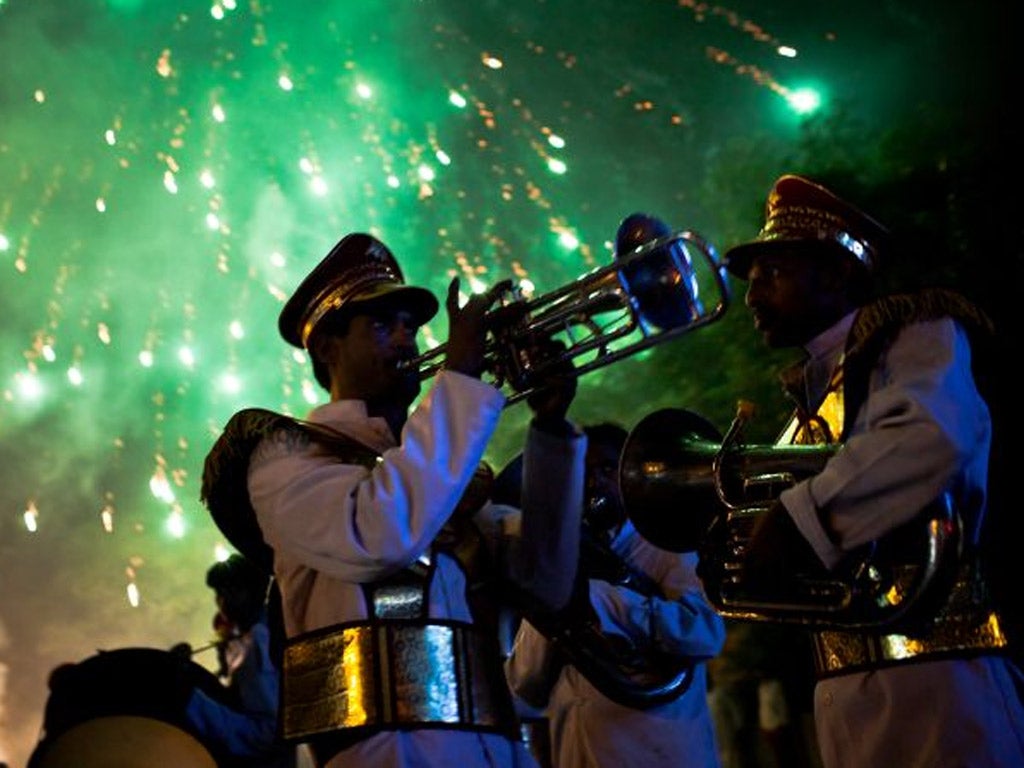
pixel 663 463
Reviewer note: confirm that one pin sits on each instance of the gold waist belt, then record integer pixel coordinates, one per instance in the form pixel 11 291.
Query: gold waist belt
pixel 394 675
pixel 965 624
pixel 844 652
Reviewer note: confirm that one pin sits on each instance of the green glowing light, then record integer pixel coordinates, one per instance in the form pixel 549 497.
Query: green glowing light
pixel 175 524
pixel 187 357
pixel 29 386
pixel 230 383
pixel 804 100
pixel 556 166
pixel 568 240
pixel 160 488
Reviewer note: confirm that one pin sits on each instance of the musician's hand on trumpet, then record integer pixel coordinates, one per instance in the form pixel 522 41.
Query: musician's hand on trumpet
pixel 468 327
pixel 550 398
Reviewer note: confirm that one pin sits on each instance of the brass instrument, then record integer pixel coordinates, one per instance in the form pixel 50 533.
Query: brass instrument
pixel 688 488
pixel 628 675
pixel 649 295
pixel 631 675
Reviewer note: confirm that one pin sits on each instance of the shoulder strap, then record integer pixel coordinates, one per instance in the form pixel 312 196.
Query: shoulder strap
pixel 225 473
pixel 877 325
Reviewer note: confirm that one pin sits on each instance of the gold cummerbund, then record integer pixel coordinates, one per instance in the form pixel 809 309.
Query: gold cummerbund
pixel 393 675
pixel 966 624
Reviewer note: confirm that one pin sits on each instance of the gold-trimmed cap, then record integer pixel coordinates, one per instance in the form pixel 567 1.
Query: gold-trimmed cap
pixel 358 270
pixel 801 211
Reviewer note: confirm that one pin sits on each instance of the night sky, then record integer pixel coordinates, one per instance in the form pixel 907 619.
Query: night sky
pixel 170 171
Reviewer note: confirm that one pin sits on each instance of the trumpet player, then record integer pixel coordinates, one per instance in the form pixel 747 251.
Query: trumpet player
pixel 889 379
pixel 367 512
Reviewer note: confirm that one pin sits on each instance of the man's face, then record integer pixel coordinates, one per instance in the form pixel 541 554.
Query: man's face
pixel 364 360
pixel 605 510
pixel 794 294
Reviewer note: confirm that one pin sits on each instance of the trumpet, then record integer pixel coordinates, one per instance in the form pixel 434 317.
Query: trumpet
pixel 646 296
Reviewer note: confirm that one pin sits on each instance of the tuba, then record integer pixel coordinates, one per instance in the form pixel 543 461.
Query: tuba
pixel 688 488
pixel 636 677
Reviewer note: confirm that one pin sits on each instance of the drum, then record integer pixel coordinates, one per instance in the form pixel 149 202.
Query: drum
pixel 125 709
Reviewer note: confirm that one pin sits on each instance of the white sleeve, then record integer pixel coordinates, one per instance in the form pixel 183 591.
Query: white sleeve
pixel 359 524
pixel 545 559
pixel 532 669
pixel 923 430
pixel 682 623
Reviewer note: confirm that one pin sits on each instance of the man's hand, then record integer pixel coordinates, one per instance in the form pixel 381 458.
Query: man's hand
pixel 467 327
pixel 551 398
pixel 777 552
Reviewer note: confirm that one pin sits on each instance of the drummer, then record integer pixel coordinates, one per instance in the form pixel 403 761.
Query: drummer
pixel 249 728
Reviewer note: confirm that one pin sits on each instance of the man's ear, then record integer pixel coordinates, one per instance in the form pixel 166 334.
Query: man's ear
pixel 839 274
pixel 319 346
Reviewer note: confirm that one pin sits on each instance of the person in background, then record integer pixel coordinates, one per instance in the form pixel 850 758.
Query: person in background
pixel 367 512
pixel 245 732
pixel 889 379
pixel 649 605
pixel 760 697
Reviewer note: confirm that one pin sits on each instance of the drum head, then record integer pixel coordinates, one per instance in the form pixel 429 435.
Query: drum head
pixel 124 742
pixel 125 708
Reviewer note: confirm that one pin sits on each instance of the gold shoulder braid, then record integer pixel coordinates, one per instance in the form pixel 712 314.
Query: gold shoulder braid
pixel 899 309
pixel 878 323
pixel 224 488
pixel 965 621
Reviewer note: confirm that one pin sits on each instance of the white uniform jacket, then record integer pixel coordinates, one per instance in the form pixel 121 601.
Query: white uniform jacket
pixel 922 430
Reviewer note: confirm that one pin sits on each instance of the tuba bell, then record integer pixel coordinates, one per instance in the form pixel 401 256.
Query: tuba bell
pixel 687 487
